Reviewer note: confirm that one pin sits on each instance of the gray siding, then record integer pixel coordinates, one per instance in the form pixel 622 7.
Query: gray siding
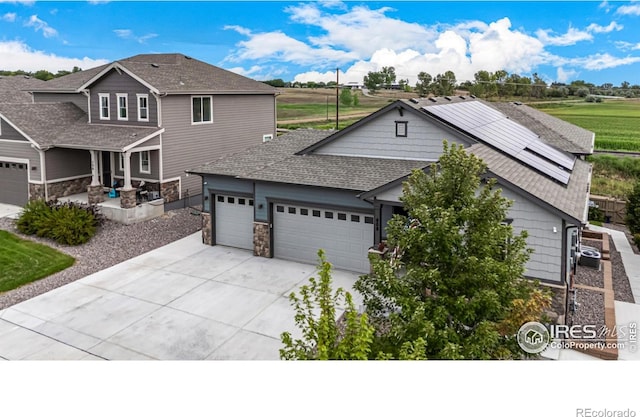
pixel 114 83
pixel 23 150
pixel 224 184
pixel 378 139
pixel 135 166
pixel 546 261
pixel 9 133
pixel 78 99
pixel 66 163
pixel 305 195
pixel 239 122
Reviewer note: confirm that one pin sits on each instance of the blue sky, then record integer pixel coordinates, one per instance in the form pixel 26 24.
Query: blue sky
pixel 594 41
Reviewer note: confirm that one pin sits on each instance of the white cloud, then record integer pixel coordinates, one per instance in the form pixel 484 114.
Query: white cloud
pixel 39 24
pixel 605 5
pixel 627 46
pixel 572 37
pixel 630 9
pixel 564 76
pixel 8 17
pixel 604 29
pixel 279 46
pixel 25 2
pixel 598 62
pixel 96 2
pixel 16 55
pixel 128 34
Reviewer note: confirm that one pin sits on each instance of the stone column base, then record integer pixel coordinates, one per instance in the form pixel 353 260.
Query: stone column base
pixel 96 194
pixel 128 198
pixel 206 228
pixel 262 239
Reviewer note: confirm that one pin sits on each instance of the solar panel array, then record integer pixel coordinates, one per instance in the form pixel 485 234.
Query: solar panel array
pixel 495 129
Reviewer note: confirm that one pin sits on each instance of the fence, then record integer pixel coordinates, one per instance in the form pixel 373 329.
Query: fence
pixel 614 210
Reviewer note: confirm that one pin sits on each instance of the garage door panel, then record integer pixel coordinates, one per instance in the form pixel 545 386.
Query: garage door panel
pixel 14 183
pixel 345 237
pixel 234 221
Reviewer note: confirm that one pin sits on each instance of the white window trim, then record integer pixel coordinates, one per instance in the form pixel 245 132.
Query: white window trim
pixel 121 161
pixel 126 105
pixel 146 97
pixel 210 111
pixel 148 170
pixel 100 97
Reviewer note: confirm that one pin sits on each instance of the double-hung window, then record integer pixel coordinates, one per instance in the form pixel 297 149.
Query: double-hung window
pixel 122 106
pixel 143 107
pixel 145 162
pixel 201 110
pixel 104 106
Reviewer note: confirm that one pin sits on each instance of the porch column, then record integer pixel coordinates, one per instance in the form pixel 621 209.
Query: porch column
pixel 94 191
pixel 128 193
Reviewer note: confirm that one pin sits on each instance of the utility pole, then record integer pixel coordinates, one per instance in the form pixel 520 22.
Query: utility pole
pixel 337 94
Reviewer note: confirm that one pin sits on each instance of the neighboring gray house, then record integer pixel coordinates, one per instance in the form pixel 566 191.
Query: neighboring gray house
pixel 337 190
pixel 144 118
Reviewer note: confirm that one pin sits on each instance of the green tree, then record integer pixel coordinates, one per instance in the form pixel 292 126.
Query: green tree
pixel 322 337
pixel 423 84
pixel 346 98
pixel 388 76
pixel 633 213
pixel 43 75
pixel 373 80
pixel 454 282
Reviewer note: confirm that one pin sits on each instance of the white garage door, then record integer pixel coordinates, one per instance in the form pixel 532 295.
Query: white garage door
pixel 234 221
pixel 345 236
pixel 14 188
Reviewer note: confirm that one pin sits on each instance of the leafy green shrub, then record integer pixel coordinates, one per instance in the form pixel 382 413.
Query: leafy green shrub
pixel 66 223
pixel 34 217
pixel 595 214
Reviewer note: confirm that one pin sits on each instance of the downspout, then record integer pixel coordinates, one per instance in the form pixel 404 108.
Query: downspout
pixel 88 95
pixel 43 172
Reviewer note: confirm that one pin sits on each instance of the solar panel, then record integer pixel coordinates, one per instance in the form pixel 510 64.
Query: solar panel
pixel 493 128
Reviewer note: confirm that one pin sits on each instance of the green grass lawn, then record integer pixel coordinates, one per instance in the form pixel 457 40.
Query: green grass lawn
pixel 615 122
pixel 23 261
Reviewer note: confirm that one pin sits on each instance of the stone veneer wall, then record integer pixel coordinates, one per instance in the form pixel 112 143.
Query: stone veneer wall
pixel 170 191
pixel 261 239
pixel 36 191
pixel 206 228
pixel 65 188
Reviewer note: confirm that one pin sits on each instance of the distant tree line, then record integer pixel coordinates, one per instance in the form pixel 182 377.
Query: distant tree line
pixel 485 84
pixel 42 74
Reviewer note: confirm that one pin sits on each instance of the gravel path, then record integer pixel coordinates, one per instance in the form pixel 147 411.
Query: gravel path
pixel 112 244
pixel 621 285
pixel 590 308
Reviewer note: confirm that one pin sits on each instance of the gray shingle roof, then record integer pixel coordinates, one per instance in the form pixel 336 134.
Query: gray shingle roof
pixel 276 161
pixel 172 74
pixel 14 89
pixel 65 125
pixel 571 200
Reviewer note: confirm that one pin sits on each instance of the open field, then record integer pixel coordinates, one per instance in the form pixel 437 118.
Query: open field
pixel 316 107
pixel 23 261
pixel 616 123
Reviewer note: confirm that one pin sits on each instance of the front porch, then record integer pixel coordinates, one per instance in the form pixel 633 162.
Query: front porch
pixel 112 208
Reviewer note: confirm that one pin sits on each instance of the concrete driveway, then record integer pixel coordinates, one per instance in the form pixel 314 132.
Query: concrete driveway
pixel 183 301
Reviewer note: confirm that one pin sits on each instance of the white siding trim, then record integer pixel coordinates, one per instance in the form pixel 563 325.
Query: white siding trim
pixel 33 142
pixel 146 97
pixel 69 178
pixel 143 140
pixel 148 170
pixel 202 122
pixel 124 96
pixel 119 67
pixel 100 97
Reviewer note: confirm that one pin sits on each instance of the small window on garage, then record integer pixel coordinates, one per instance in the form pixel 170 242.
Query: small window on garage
pixel 355 218
pixel 368 220
pixel 316 213
pixel 304 212
pixel 250 202
pixel 220 199
pixel 280 209
pixel 401 129
pixel 242 201
pixel 231 200
pixel 328 215
pixel 342 216
pixel 292 210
